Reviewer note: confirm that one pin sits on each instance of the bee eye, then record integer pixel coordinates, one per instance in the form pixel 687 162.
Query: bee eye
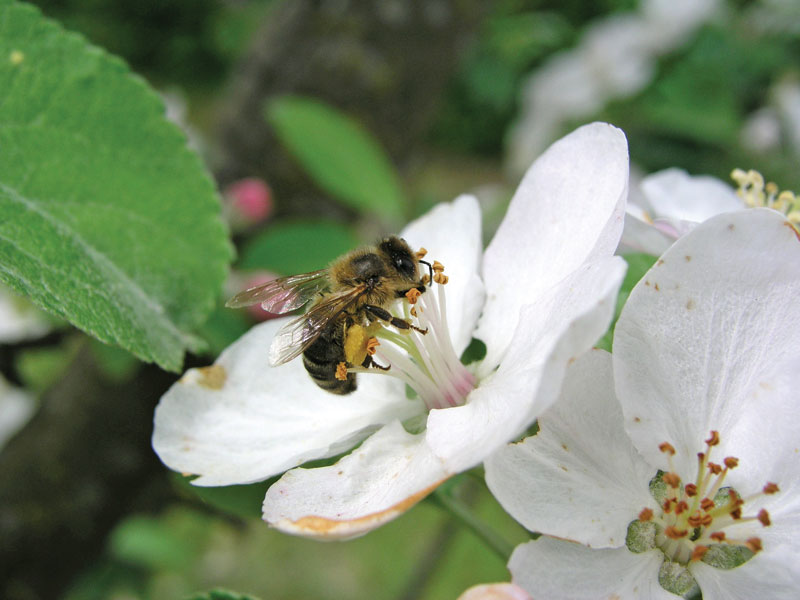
pixel 404 265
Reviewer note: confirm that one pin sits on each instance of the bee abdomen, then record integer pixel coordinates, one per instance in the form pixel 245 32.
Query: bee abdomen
pixel 321 359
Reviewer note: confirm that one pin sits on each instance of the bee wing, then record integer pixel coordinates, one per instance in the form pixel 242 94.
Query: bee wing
pixel 298 334
pixel 283 294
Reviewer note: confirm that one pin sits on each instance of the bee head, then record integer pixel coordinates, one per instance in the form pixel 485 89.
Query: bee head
pixel 400 257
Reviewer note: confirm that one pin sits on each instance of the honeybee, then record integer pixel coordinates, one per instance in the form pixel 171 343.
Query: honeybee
pixel 350 297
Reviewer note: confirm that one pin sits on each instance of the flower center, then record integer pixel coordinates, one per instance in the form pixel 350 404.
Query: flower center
pixel 694 517
pixel 423 356
pixel 756 193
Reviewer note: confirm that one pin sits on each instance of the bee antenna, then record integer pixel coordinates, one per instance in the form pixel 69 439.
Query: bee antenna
pixel 430 268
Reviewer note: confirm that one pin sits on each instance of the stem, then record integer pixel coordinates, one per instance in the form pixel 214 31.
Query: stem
pixel 461 511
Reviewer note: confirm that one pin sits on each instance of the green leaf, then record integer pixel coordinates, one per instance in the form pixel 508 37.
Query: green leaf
pixel 298 247
pixel 241 500
pixel 340 154
pixel 107 219
pixel 221 595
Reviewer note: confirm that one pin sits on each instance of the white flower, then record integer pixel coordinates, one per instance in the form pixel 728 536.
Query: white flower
pixel 495 591
pixel 668 204
pixel 542 293
pixel 616 58
pixel 706 360
pixel 17 407
pixel 19 319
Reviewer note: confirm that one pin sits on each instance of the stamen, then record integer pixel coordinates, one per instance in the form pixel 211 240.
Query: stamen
pixel 763 517
pixel 672 480
pixel 756 193
pixel 754 545
pixel 699 552
pixel 412 295
pixel 675 533
pixel 666 447
pixel 426 363
pixel 372 345
pixel 421 253
pixel 693 516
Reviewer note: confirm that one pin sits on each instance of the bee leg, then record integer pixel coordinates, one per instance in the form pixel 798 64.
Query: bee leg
pixel 370 362
pixel 385 315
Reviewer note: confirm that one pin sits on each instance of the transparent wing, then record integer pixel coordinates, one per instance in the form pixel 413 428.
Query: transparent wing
pixel 298 334
pixel 283 294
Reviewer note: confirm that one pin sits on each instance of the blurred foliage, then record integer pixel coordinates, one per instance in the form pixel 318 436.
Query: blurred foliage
pixel 297 246
pixel 342 157
pixel 167 39
pixel 87 221
pixel 183 550
pixel 691 115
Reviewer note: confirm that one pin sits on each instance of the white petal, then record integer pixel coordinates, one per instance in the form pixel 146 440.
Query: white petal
pixel 495 591
pixel 708 340
pixel 551 332
pixel 452 235
pixel 641 236
pixel 676 195
pixel 760 577
pixel 551 568
pixel 568 209
pixel 241 420
pixel 579 477
pixel 389 473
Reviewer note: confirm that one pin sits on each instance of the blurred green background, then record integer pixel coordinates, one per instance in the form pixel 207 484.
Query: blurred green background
pixel 407 104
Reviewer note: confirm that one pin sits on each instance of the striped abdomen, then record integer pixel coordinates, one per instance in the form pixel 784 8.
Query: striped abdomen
pixel 323 356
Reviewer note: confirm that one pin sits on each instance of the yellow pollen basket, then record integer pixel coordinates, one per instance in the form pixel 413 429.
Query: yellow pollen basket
pixel 359 342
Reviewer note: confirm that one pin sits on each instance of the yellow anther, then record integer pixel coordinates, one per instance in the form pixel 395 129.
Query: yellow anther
pixel 341 371
pixel 440 278
pixel 753 544
pixel 667 448
pixel 714 439
pixel 372 345
pixel 699 552
pixel 763 517
pixel 421 253
pixel 413 295
pixel 437 267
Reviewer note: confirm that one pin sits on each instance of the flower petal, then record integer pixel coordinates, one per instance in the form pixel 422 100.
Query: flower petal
pixel 708 341
pixel 241 420
pixel 760 577
pixel 579 477
pixel 675 195
pixel 568 209
pixel 551 568
pixel 451 233
pixel 495 591
pixel 551 332
pixel 389 473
